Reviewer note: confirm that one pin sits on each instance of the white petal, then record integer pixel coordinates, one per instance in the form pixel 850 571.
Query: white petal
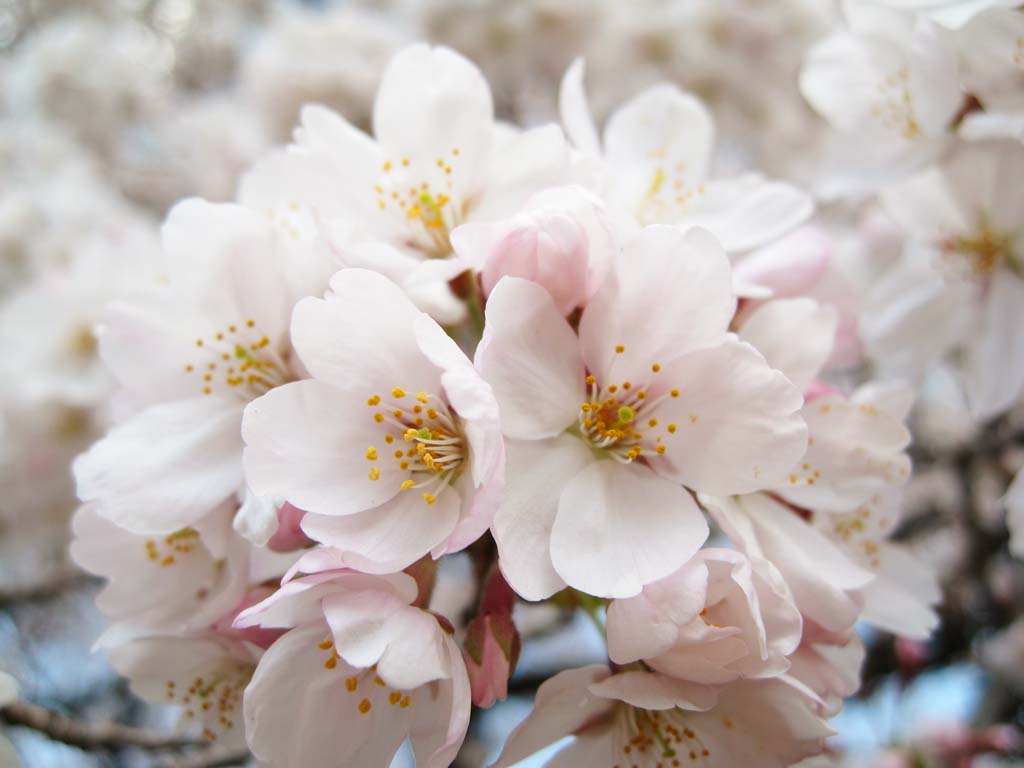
pixel 165 468
pixel 737 426
pixel 390 537
pixel 620 527
pixel 900 599
pixel 318 464
pixel 563 705
pixel 431 101
pixel 529 355
pixel 653 691
pixel 748 211
pixel 299 713
pixel 661 133
pixel 536 473
pixel 794 335
pixel 362 336
pixel 575 112
pixel 669 293
pixel 375 627
pixel 996 359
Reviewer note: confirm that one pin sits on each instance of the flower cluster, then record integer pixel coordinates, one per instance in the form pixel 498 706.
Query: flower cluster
pixel 588 360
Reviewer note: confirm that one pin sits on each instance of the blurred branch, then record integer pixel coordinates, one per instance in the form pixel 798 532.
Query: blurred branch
pixel 103 735
pixel 209 758
pixel 54 584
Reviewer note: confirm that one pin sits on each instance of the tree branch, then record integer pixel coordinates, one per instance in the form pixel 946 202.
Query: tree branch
pixel 103 735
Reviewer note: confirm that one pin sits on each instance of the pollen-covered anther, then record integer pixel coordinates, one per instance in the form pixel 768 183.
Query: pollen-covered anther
pixel 616 418
pixel 257 367
pixel 437 447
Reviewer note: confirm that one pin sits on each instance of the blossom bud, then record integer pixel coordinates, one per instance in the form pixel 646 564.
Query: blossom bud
pixel 491 650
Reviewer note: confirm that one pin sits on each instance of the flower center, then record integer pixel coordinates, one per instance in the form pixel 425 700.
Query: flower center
pixel 166 551
pixel 894 107
pixel 653 737
pixel 240 362
pixel 670 193
pixel 423 438
pixel 977 255
pixel 214 698
pixel 424 197
pixel 366 685
pixel 617 418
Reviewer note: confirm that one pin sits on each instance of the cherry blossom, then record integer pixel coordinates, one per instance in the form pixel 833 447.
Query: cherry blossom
pixel 358 672
pixel 414 464
pixel 605 429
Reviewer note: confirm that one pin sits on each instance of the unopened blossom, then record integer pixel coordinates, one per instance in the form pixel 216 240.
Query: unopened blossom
pixel 188 355
pixel 889 85
pixel 654 161
pixel 606 430
pixel 183 581
pixel 966 214
pixel 562 239
pixel 645 719
pixel 412 459
pixel 204 676
pixel 358 672
pixel 719 618
pixel 437 159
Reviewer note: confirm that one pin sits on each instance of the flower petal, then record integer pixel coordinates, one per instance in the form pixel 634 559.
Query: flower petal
pixel 620 527
pixel 529 355
pixel 737 426
pixel 536 473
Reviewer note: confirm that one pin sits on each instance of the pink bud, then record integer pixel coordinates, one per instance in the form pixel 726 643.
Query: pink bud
pixel 289 535
pixel 491 650
pixel 548 248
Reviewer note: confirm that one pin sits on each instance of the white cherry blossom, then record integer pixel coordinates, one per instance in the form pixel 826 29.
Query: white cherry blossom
pixel 412 459
pixel 606 430
pixel 358 672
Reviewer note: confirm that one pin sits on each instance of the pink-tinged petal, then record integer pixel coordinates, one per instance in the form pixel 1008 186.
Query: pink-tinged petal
pixel 647 625
pixel 734 426
pixel 669 293
pixel 289 536
pixel 822 578
pixel 794 335
pixel 661 130
pixel 767 723
pixel 788 267
pixel 451 103
pixel 167 467
pixel 748 211
pixel 319 464
pixel 574 111
pixel 995 374
pixel 620 527
pixel 470 396
pixel 299 601
pixel 536 473
pixel 655 692
pixel 297 712
pixel 854 451
pixel 440 722
pixel 390 537
pixel 529 356
pixel 376 627
pixel 563 706
pixel 478 508
pixel 361 336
